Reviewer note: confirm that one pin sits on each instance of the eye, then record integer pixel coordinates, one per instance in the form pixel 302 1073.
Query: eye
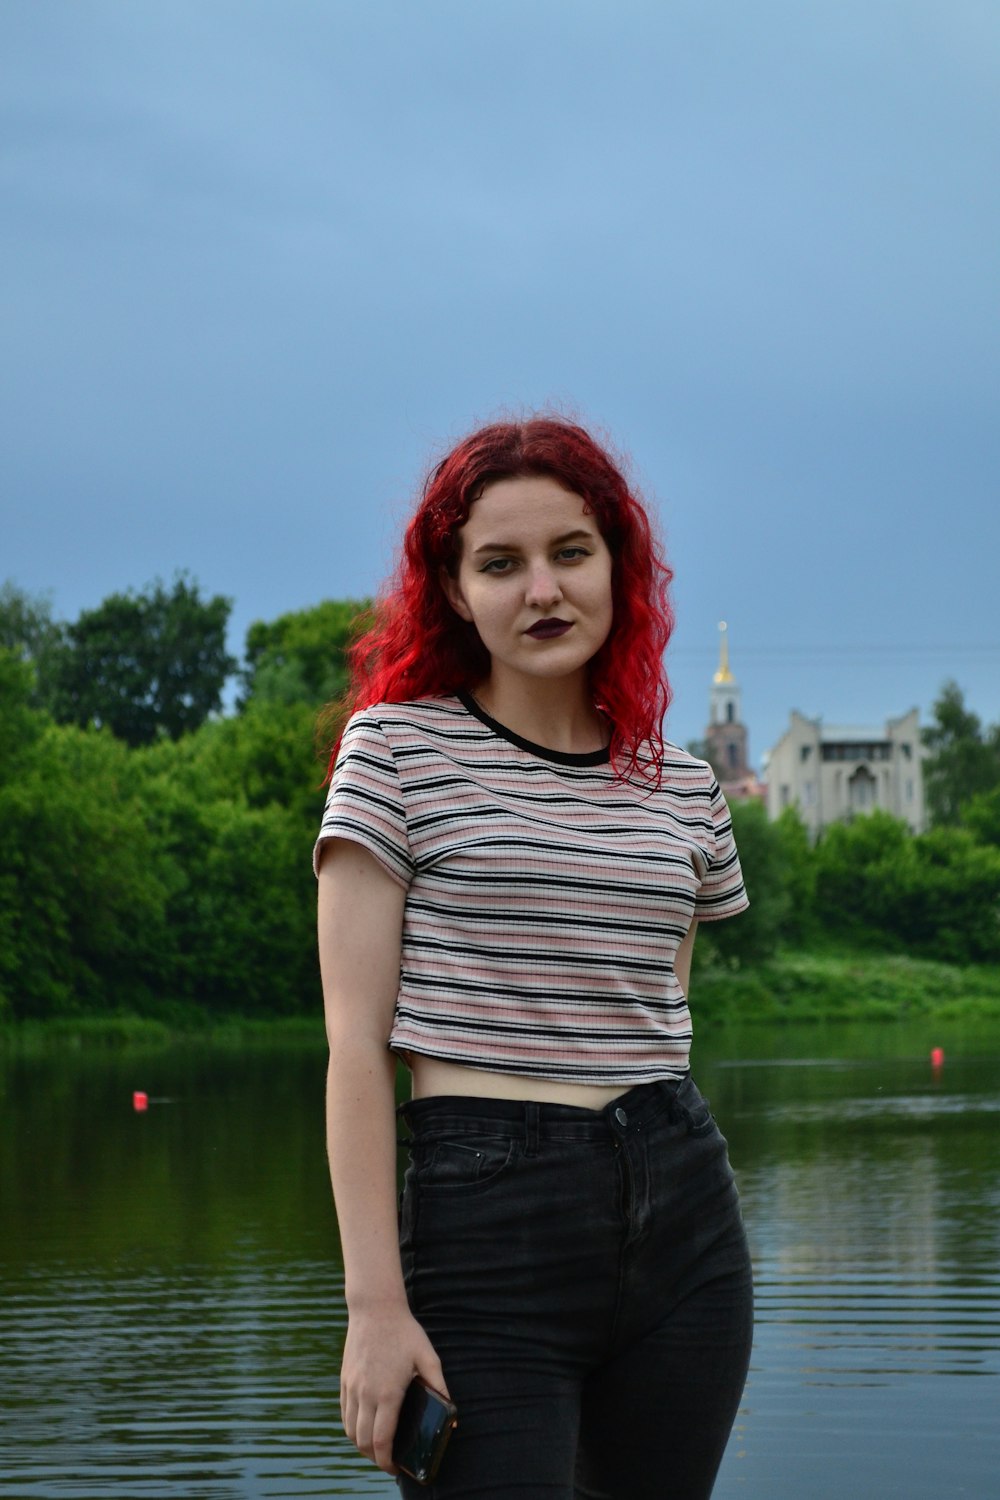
pixel 498 565
pixel 573 554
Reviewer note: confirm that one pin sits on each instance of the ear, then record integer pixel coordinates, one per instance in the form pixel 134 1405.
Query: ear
pixel 453 594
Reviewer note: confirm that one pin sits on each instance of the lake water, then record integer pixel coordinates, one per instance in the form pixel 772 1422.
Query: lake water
pixel 172 1312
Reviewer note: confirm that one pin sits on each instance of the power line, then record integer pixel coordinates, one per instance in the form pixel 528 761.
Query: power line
pixel 985 649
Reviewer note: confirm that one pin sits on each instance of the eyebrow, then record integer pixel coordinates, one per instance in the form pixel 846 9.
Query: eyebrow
pixel 579 534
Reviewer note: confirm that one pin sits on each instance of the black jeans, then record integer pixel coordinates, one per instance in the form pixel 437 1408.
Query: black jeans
pixel 585 1279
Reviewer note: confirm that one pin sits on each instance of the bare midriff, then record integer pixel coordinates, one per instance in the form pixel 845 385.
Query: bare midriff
pixel 432 1076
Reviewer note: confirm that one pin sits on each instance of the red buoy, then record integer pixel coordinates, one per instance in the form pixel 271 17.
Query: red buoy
pixel 937 1057
pixel 140 1100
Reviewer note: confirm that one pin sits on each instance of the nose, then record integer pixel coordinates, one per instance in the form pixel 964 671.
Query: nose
pixel 543 587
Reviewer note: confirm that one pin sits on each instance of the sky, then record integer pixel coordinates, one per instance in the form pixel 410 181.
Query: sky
pixel 262 262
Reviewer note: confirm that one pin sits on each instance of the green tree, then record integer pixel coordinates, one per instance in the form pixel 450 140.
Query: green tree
pixel 234 808
pixel 981 816
pixel 82 885
pixel 147 664
pixel 20 725
pixel 942 899
pixel 935 894
pixel 852 860
pixel 262 758
pixel 964 759
pixel 798 864
pixel 166 878
pixel 28 630
pixel 301 657
pixel 755 933
pixel 20 730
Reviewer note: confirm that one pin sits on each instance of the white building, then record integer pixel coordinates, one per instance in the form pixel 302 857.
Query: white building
pixel 833 771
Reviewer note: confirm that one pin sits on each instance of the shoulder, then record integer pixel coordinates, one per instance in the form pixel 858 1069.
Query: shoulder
pixel 415 712
pixel 416 718
pixel 674 756
pixel 408 728
pixel 681 769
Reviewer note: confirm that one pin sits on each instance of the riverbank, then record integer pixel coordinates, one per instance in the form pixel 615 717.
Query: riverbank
pixel 804 985
pixel 794 986
pixel 149 1033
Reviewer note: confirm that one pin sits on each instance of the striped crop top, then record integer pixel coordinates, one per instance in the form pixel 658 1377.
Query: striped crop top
pixel 545 898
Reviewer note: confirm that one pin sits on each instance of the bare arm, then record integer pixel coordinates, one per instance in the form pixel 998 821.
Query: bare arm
pixel 360 924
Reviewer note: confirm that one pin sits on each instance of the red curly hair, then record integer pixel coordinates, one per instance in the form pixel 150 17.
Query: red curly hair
pixel 415 645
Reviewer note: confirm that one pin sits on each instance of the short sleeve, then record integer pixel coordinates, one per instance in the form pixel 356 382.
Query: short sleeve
pixel 365 803
pixel 722 892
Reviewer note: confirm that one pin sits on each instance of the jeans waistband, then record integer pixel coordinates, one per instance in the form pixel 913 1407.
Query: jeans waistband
pixel 530 1120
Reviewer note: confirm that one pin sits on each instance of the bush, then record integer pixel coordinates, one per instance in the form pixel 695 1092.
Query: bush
pixel 157 879
pixel 755 933
pixel 799 870
pixel 981 816
pixel 936 894
pixel 83 887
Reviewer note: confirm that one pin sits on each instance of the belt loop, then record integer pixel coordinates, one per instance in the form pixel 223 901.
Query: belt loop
pixel 676 1113
pixel 530 1128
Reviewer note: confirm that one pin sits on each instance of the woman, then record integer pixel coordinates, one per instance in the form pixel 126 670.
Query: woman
pixel 511 866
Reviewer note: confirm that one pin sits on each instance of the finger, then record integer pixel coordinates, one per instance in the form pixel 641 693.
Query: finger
pixel 383 1433
pixel 429 1369
pixel 363 1424
pixel 348 1411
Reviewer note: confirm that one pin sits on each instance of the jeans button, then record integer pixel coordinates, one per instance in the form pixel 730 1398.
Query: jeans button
pixel 621 1117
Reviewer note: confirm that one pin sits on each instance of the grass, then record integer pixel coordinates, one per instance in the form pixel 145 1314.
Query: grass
pixel 807 985
pixel 124 1031
pixel 811 985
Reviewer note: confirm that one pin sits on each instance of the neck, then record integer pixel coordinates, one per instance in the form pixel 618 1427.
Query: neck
pixel 558 714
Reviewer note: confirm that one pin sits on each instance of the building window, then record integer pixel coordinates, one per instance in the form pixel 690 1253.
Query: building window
pixel 861 790
pixel 733 756
pixel 859 751
pixel 730 714
pixel 808 793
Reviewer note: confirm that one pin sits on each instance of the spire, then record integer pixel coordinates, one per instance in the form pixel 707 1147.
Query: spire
pixel 726 734
pixel 723 674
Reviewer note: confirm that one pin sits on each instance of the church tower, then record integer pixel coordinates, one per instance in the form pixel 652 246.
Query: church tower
pixel 726 735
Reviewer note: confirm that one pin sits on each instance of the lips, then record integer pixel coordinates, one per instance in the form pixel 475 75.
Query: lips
pixel 547 630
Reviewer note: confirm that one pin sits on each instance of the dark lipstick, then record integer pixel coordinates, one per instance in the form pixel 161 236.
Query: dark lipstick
pixel 548 629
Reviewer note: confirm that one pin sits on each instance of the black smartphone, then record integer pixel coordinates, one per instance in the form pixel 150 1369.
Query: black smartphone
pixel 426 1422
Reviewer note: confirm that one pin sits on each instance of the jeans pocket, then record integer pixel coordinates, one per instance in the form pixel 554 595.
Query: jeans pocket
pixel 701 1122
pixel 697 1110
pixel 470 1165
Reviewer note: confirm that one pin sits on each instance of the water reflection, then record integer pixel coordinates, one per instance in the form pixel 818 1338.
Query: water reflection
pixel 871 1187
pixel 173 1311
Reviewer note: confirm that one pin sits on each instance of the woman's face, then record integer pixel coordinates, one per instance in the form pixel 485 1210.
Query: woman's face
pixel 534 578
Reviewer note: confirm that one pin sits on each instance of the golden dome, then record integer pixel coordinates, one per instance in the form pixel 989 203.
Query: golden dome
pixel 723 674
